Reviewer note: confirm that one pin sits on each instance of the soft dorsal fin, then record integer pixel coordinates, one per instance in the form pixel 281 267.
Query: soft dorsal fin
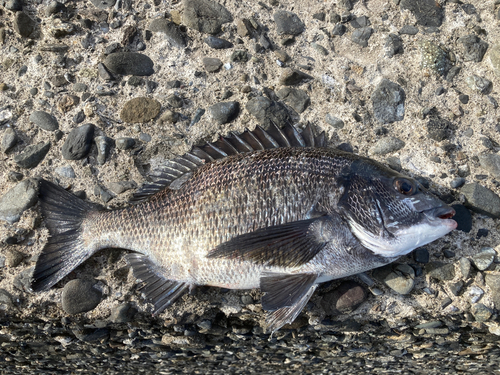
pixel 177 171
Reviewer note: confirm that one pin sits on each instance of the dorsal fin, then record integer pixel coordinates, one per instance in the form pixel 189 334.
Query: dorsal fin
pixel 176 172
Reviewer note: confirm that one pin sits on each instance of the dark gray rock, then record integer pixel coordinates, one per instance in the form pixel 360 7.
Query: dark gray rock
pixel 14 5
pixel 104 73
pixel 54 7
pixel 79 296
pixel 360 22
pixel 441 271
pixel 295 98
pixel 79 117
pixel 17 200
pixel 205 16
pixel 393 45
pixel 473 48
pixel 346 297
pixel 339 29
pixel 6 300
pixel 212 64
pixel 409 30
pixel 434 58
pixel 479 84
pixel 217 43
pixel 267 111
pixel 123 313
pixel 291 76
pixel 9 140
pixel 388 100
pixel 103 144
pixel 438 129
pixel 44 120
pixel 491 163
pixel 129 63
pixel 102 193
pixel 172 32
pixel 464 265
pixel 484 258
pixel 78 142
pixel 103 4
pixel 421 255
pixel 197 116
pixel 240 55
pixel 13 258
pixel 361 36
pixel 288 23
pixel 427 12
pixel 32 155
pixel 337 123
pixel 481 199
pixel 125 143
pixel 457 182
pixel 319 48
pixel 463 218
pixel 225 112
pixel 456 288
pixel 24 25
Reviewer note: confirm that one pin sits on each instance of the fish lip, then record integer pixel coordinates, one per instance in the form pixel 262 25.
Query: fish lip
pixel 441 215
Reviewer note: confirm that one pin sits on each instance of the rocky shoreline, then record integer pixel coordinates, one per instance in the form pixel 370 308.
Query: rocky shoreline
pixel 96 94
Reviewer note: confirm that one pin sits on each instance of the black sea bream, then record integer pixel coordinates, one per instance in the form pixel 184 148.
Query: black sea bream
pixel 275 210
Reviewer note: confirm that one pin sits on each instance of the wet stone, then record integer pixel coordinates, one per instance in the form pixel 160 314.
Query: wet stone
pixel 171 31
pixel 24 25
pixel 125 143
pixel 481 199
pixel 441 271
pixel 463 218
pixel 129 63
pixel 346 297
pixel 205 16
pixel 17 200
pixel 44 120
pixel 291 77
pixel 484 258
pixel 393 45
pixel 388 102
pixel 386 146
pixel 80 296
pixel 140 110
pixel 361 36
pixel 78 142
pixel 217 43
pixel 478 84
pixel 32 155
pixel 288 23
pixel 337 123
pixel 212 64
pixel 473 48
pixel 9 140
pixel 481 312
pixel 427 12
pixel 295 98
pixel 225 112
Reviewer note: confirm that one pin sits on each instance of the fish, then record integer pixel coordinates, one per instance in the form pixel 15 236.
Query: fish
pixel 273 209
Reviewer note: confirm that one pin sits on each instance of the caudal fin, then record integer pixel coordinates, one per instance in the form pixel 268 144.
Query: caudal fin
pixel 63 213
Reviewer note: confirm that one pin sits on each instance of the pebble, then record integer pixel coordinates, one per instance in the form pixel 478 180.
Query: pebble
pixel 78 142
pixel 24 25
pixel 267 111
pixel 361 36
pixel 102 193
pixel 239 56
pixel 494 56
pixel 291 77
pixel 103 144
pixel 170 117
pixel 121 186
pixel 125 143
pixel 103 4
pixel 463 218
pixel 44 120
pixel 140 110
pixel 288 23
pixel 388 101
pixel 129 63
pixel 104 73
pixel 9 140
pixel 17 200
pixel 427 12
pixel 481 199
pixel 484 258
pixel 79 117
pixel 393 45
pixel 434 58
pixel 421 255
pixel 409 30
pixel 295 98
pixel 457 182
pixel 123 313
pixel 387 145
pixel 493 282
pixel 205 16
pixel 339 29
pixel 473 48
pixel 79 296
pixel 175 101
pixel 346 297
pixel 224 112
pixel 401 279
pixel 54 7
pixel 441 271
pixel 13 258
pixel 66 171
pixel 475 293
pixel 197 116
pixel 478 84
pixel 455 288
pixel 32 155
pixel 5 300
pixel 171 31
pixel 481 312
pixel 217 43
pixel 360 22
pixel 465 265
pixel 482 232
pixel 337 123
pixel 438 129
pixel 212 64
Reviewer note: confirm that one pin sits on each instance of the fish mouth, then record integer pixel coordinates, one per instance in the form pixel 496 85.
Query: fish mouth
pixel 442 215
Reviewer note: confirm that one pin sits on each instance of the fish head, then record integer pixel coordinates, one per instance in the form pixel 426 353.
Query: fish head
pixel 391 214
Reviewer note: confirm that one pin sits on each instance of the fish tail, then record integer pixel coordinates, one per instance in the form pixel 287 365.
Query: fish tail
pixel 63 214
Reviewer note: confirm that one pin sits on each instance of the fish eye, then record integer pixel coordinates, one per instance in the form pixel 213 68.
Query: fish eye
pixel 405 186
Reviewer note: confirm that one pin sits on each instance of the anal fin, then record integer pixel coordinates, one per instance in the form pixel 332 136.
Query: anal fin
pixel 157 288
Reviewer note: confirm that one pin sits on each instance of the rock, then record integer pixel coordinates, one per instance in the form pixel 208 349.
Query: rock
pixel 346 297
pixel 493 282
pixel 243 27
pixel 494 55
pixel 491 163
pixel 441 271
pixel 438 129
pixel 434 58
pixel 103 4
pixel 267 111
pixel 9 140
pixel 409 30
pixel 121 186
pixel 32 155
pixel 239 55
pixel 463 218
pixel 44 120
pixel 66 171
pixel 217 43
pixel 345 5
pixel 361 36
pixel 79 296
pixel 387 145
pixel 288 23
pixel 17 200
pixel 102 193
pixel 129 63
pixel 123 313
pixel 481 312
pixel 295 98
pixel 421 255
pixel 484 258
pixel 169 117
pixel 5 300
pixel 455 288
pixel 393 45
pixel 172 32
pixel 339 29
pixel 59 29
pixel 24 25
pixel 481 199
pixel 388 102
pixel 140 110
pixel 457 182
pixel 13 258
pixel 205 16
pixel 478 84
pixel 291 76
pixel 78 142
pixel 427 12
pixel 473 48
pixel 475 293
pixel 103 144
pixel 55 7
pixel 14 5
pixel 320 49
pixel 337 123
pixel 212 64
pixel 401 279
pixel 197 116
pixel 465 265
pixel 360 22
pixel 225 112
pixel 125 143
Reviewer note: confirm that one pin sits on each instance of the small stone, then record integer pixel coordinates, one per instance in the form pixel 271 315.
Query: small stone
pixel 225 112
pixel 491 163
pixel 59 29
pixel 171 31
pixel 484 258
pixel 481 312
pixel 346 297
pixel 9 140
pixel 388 102
pixel 438 129
pixel 434 58
pixel 401 279
pixel 337 123
pixel 66 171
pixel 122 186
pixel 295 98
pixel 427 12
pixel 465 265
pixel 455 288
pixel 123 313
pixel 205 16
pixel 44 120
pixel 243 27
pixel 102 193
pixel 493 282
pixel 481 199
pixel 239 56
pixel 267 112
pixel 24 25
pixel 475 293
pixel 463 218
pixel 409 30
pixel 13 258
pixel 103 144
pixel 339 29
pixel 197 116
pixel 170 117
pixel 17 200
pixel 212 64
pixel 14 5
pixel 457 182
pixel 393 45
pixel 54 7
pixel 361 36
pixel 345 5
pixel 78 142
pixel 67 102
pixel 473 48
pixel 478 84
pixel 291 76
pixel 217 43
pixel 288 23
pixel 32 155
pixel 421 255
pixel 320 49
pixel 125 143
pixel 129 63
pixel 441 271
pixel 79 296
pixel 387 145
pixel 175 101
pixel 140 110
pixel 319 16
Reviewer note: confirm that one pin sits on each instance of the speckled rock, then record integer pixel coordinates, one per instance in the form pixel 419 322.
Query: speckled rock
pixel 205 16
pixel 17 200
pixel 288 23
pixel 224 112
pixel 140 110
pixel 295 98
pixel 171 31
pixel 78 142
pixel 484 258
pixel 481 312
pixel 427 12
pixel 129 63
pixel 434 58
pixel 44 120
pixel 388 101
pixel 438 129
pixel 80 296
pixel 32 155
pixel 387 145
pixel 481 199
